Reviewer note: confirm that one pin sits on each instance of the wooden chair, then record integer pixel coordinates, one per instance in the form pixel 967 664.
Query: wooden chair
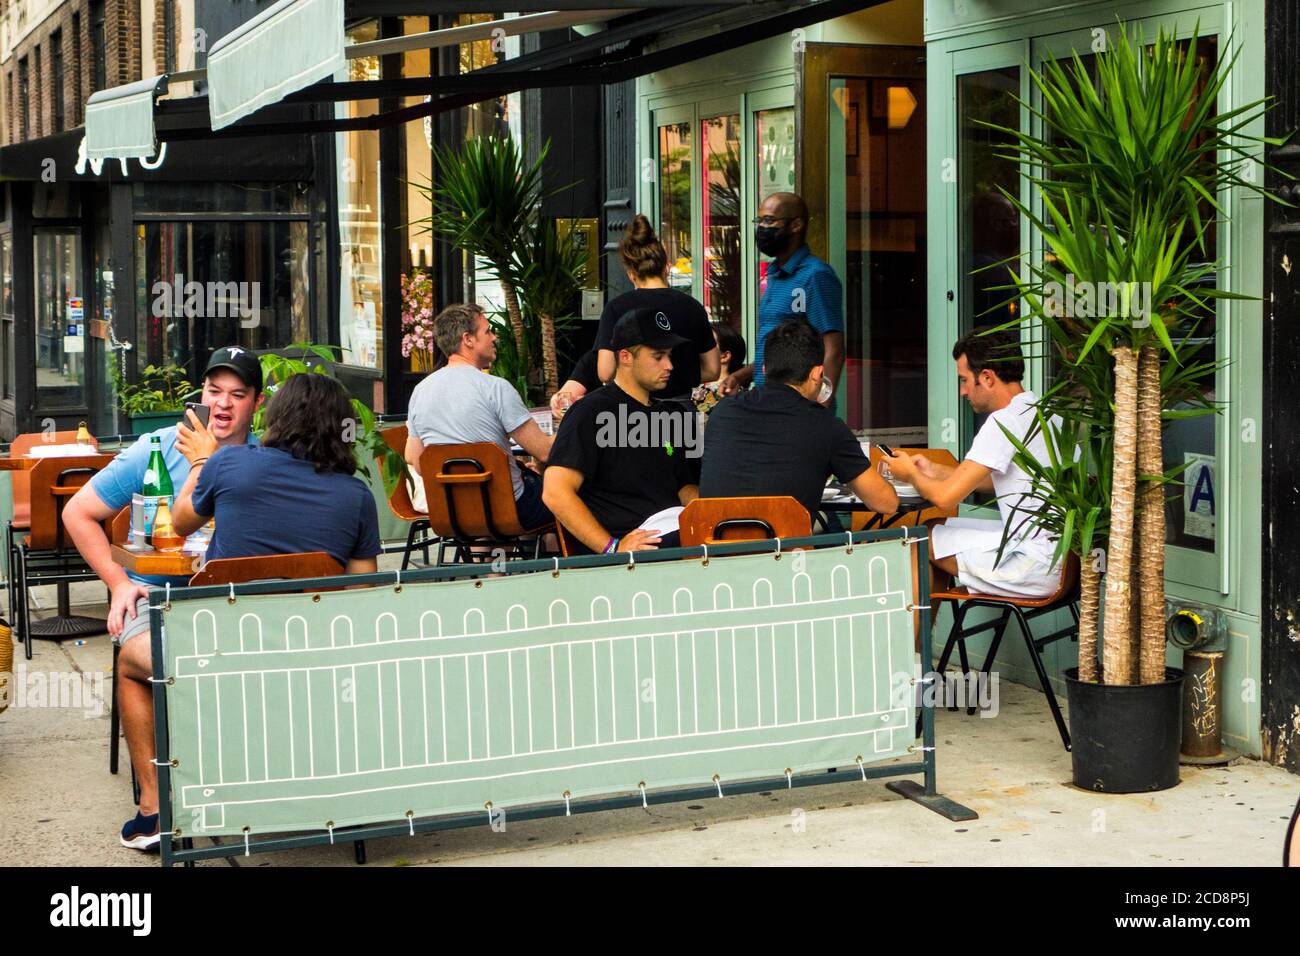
pixel 46 555
pixel 472 502
pixel 861 520
pixel 1066 597
pixel 713 520
pixel 417 535
pixel 21 484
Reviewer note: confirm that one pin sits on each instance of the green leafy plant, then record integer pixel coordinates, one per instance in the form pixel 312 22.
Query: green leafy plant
pixel 487 201
pixel 1128 169
pixel 162 388
pixel 370 444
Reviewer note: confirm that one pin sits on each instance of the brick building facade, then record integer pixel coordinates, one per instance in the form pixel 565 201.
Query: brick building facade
pixel 79 47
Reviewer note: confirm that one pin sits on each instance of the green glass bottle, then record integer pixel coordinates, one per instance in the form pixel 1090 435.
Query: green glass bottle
pixel 157 480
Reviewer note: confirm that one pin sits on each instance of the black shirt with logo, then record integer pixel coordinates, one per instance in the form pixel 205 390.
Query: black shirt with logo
pixel 682 316
pixel 770 440
pixel 608 436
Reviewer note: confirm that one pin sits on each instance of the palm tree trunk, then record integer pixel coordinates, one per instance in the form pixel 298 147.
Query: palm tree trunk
pixel 516 320
pixel 1151 521
pixel 549 364
pixel 1117 647
pixel 1089 603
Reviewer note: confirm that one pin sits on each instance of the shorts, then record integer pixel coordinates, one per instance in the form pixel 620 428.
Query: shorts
pixel 139 626
pixel 1018 574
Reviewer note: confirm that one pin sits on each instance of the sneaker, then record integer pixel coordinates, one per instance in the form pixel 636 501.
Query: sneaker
pixel 141 833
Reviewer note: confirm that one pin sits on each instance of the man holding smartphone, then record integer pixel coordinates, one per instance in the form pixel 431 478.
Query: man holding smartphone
pixel 232 392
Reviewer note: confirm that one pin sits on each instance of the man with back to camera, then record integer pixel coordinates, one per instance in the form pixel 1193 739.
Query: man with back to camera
pixel 775 439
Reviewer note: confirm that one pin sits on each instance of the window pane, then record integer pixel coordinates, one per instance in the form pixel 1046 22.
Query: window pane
pixel 60 368
pixel 360 226
pixel 988 226
pixel 720 200
pixel 774 152
pixel 6 317
pixel 1191 517
pixel 675 157
pixel 211 284
pixel 884 238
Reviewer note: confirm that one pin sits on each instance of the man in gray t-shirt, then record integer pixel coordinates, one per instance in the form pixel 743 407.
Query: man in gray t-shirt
pixel 462 403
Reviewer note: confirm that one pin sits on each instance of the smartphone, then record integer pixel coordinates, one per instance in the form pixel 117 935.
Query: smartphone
pixel 200 411
pixel 887 450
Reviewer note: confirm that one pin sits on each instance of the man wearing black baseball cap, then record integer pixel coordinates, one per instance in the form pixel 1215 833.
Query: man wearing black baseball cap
pixel 612 466
pixel 232 390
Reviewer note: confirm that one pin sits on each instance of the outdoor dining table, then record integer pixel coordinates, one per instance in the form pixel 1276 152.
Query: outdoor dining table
pixel 150 562
pixel 849 503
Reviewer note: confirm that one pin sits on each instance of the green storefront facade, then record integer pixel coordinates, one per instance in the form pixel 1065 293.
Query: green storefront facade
pixel 875 118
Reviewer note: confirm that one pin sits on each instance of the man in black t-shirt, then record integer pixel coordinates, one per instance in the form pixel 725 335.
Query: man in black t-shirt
pixel 617 460
pixel 777 440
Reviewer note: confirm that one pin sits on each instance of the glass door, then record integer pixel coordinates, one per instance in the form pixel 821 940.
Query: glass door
pixel 60 326
pixel 864 131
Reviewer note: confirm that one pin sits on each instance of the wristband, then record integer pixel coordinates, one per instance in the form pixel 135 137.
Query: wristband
pixel 610 545
pixel 197 462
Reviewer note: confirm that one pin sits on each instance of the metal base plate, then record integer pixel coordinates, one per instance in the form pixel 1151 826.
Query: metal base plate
pixel 938 803
pixel 1224 756
pixel 75 625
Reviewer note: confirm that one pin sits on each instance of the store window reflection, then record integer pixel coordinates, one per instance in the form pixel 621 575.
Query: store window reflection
pixel 675 158
pixel 774 155
pixel 360 225
pixel 7 317
pixel 204 285
pixel 720 203
pixel 60 319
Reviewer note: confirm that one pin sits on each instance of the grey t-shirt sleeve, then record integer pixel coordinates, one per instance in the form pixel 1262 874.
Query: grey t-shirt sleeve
pixel 510 408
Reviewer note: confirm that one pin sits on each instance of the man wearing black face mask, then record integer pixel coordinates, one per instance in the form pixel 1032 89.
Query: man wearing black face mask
pixel 799 286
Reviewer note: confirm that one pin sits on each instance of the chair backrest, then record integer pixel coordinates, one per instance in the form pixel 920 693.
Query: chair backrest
pixel 711 520
pixel 51 481
pixel 310 564
pixel 469 492
pixel 399 502
pixel 21 481
pixel 120 526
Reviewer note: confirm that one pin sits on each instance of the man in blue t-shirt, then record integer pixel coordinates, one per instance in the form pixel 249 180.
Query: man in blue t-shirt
pixel 799 286
pixel 232 389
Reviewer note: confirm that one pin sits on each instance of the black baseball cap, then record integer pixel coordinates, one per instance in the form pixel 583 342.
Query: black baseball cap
pixel 649 327
pixel 243 362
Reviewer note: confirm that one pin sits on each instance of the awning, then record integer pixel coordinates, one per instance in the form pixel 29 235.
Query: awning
pixel 284 48
pixel 119 121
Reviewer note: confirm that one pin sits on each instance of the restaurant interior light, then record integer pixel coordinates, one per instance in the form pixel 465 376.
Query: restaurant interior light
pixel 901 106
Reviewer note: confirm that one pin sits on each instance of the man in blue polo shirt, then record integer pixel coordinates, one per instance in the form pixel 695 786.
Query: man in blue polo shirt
pixel 799 286
pixel 232 390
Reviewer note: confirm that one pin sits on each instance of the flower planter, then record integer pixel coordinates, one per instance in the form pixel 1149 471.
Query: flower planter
pixel 1125 738
pixel 152 421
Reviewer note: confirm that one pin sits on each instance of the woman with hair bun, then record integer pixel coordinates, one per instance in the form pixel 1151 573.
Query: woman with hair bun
pixel 646 262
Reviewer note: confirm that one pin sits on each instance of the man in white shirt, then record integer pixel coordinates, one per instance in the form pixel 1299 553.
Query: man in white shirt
pixel 989 371
pixel 461 403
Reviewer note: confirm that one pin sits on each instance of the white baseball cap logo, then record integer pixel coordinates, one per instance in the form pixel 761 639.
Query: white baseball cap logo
pixel 235 350
pixel 661 320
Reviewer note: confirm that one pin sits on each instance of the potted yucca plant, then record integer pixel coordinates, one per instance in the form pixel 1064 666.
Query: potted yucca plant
pixel 1128 167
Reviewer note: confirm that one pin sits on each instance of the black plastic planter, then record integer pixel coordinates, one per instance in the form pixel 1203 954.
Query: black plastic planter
pixel 1125 739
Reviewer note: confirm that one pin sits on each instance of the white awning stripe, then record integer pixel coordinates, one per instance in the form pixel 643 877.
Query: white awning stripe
pixel 285 48
pixel 119 121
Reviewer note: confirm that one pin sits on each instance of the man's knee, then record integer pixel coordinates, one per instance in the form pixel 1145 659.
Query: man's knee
pixel 135 661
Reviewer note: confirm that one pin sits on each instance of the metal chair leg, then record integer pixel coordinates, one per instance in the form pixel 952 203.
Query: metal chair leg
pixel 114 718
pixel 1042 676
pixel 359 850
pixel 23 615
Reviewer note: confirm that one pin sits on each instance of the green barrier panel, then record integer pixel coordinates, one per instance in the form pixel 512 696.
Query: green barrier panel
pixel 287 713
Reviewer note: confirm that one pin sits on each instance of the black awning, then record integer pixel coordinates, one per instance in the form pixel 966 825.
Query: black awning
pixel 613 55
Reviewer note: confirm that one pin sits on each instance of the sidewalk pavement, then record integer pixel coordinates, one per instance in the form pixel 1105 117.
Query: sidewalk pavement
pixel 62 807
